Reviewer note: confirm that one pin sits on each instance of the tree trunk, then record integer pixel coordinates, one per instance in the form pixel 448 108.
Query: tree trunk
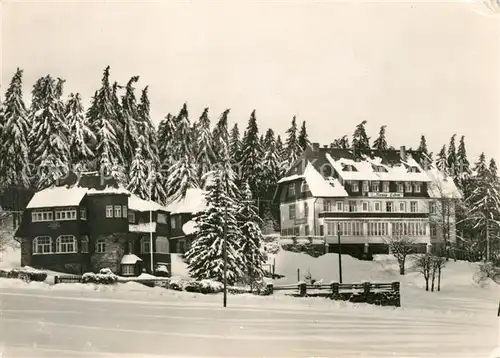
pixel 427 283
pixel 402 267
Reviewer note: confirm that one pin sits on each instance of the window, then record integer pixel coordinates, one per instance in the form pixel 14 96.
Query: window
pixel 413 206
pixel 109 211
pixel 306 230
pixel 304 187
pixel 327 205
pixel 145 245
pixel 417 187
pixel 433 228
pixel 42 215
pixel 162 218
pixel 131 217
pixel 375 187
pixel 100 246
pixel 291 189
pixel 378 206
pixel 118 211
pixel 365 206
pixel 306 210
pixel 355 186
pixel 347 228
pixel 83 214
pixel 400 188
pixel 84 245
pixel 65 244
pixel 402 207
pixel 339 205
pixel 291 212
pixel 42 245
pixel 162 245
pixel 173 222
pixel 365 187
pixel 389 207
pixel 128 270
pixel 432 208
pixel 296 231
pixel 408 187
pixel 124 211
pixel 352 206
pixel 378 228
pixel 385 187
pixel 321 230
pixel 65 214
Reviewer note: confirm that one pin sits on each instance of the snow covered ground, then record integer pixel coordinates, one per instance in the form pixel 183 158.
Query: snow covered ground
pixel 76 320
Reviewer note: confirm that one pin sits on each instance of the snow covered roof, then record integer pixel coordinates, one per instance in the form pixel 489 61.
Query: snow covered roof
pixel 193 202
pixel 130 259
pixel 364 169
pixel 56 197
pixel 442 186
pixel 320 187
pixel 142 227
pixel 137 204
pixel 190 227
pixel 108 191
pixel 290 178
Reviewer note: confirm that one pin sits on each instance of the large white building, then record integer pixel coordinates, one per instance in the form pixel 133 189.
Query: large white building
pixel 386 194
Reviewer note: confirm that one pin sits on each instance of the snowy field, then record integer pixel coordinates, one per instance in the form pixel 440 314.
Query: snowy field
pixel 131 320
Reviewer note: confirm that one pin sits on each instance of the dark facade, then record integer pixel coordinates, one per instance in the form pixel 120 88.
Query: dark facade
pixel 95 232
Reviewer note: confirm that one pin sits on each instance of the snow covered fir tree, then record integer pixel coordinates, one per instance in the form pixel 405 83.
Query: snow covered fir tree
pixel 163 160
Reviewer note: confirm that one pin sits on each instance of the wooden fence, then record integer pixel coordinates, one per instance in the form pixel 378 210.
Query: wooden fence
pixel 385 294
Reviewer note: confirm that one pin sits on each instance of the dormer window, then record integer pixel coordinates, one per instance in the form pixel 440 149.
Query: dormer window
pixel 355 186
pixel 385 187
pixel 291 189
pixel 400 188
pixel 414 170
pixel 417 188
pixel 366 188
pixel 408 188
pixel 327 171
pixel 348 168
pixel 375 187
pixel 304 187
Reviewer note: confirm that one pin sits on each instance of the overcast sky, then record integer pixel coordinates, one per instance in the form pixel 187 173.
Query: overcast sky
pixel 420 68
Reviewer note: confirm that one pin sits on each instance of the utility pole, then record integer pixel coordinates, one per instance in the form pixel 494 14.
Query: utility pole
pixel 151 226
pixel 224 253
pixel 340 253
pixel 487 240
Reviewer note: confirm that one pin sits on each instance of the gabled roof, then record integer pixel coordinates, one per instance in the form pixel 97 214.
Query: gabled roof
pixel 193 202
pixel 57 196
pixel 137 204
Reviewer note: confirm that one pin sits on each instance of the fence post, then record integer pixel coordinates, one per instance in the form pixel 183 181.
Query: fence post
pixel 56 280
pixel 335 288
pixel 397 293
pixel 302 289
pixel 298 275
pixel 366 289
pixel 269 288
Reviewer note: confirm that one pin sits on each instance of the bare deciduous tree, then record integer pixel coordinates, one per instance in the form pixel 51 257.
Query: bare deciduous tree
pixel 424 265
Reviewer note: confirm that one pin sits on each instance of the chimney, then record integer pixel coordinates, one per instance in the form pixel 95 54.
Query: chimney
pixel 315 147
pixel 402 153
pixel 325 146
pixel 332 146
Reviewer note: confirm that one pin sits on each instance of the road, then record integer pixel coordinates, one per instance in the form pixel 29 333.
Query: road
pixel 86 324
